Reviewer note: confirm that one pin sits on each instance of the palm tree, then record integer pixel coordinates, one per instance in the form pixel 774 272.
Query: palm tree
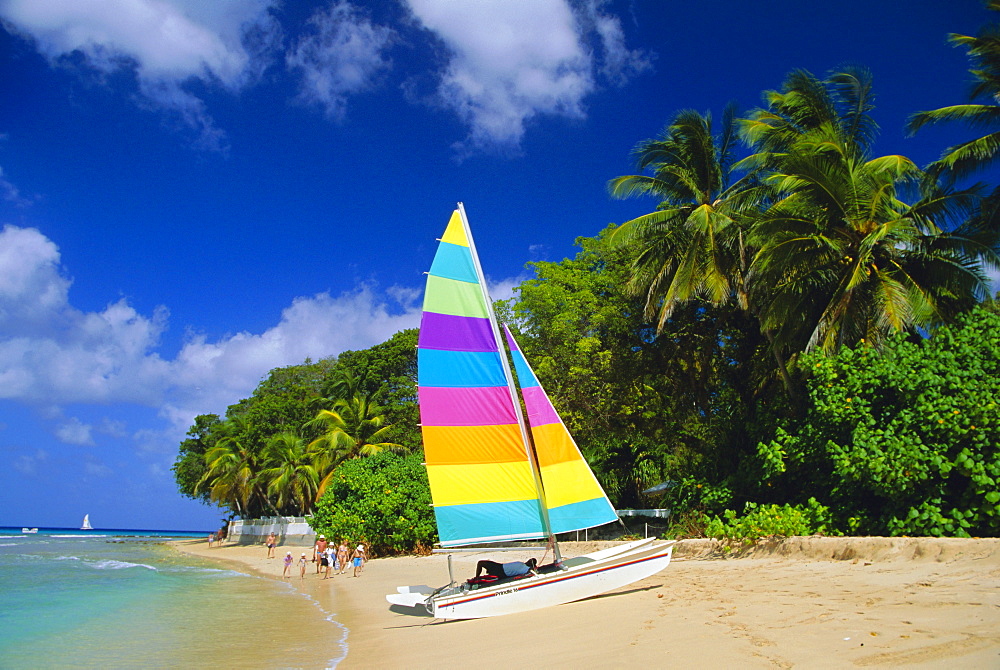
pixel 231 470
pixel 694 244
pixel 967 157
pixel 842 258
pixel 292 476
pixel 354 427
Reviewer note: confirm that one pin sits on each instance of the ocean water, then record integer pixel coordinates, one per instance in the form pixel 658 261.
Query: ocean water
pixel 87 599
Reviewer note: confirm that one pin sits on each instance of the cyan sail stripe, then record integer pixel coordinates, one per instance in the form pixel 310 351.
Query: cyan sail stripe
pixel 454 262
pixel 584 514
pixel 488 522
pixel 525 377
pixel 459 369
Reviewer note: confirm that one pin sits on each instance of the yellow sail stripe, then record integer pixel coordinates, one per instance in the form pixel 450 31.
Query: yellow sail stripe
pixel 570 482
pixel 481 483
pixel 455 232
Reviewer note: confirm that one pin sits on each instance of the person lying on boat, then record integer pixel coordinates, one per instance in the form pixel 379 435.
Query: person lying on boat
pixel 502 570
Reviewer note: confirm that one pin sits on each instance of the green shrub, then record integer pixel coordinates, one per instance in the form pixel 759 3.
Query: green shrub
pixel 382 500
pixel 769 520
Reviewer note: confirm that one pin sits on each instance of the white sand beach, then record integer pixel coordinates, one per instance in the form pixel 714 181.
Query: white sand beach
pixel 808 602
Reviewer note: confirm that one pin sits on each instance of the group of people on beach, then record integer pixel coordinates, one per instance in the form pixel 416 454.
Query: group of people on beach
pixel 326 557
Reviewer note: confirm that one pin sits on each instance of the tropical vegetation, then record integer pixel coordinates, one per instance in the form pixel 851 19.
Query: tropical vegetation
pixel 798 337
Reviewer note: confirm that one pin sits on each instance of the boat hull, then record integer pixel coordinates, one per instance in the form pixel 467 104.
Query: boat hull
pixel 587 576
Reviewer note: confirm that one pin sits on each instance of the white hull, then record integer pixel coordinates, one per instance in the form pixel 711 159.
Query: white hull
pixel 29 530
pixel 586 576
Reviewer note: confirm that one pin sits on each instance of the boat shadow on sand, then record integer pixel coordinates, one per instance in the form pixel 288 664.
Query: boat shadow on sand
pixel 419 612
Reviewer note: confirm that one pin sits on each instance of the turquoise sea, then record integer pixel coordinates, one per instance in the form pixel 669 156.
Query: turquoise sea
pixel 123 598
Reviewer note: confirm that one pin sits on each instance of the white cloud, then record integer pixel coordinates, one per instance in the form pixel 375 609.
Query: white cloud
pixel 10 192
pixel 344 53
pixel 166 43
pixel 28 464
pixel 619 63
pixel 53 354
pixel 514 60
pixel 75 431
pixel 511 60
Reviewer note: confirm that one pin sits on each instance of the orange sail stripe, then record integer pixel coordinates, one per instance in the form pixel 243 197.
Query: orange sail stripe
pixel 554 444
pixel 444 445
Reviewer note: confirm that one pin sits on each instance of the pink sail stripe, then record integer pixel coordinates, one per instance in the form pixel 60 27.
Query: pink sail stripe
pixel 540 410
pixel 484 406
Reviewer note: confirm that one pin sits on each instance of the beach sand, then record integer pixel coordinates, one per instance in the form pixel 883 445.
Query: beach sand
pixel 802 602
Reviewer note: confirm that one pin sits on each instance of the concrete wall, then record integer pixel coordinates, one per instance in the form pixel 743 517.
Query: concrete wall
pixel 289 530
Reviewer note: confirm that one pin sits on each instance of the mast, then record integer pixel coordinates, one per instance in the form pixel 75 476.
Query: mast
pixel 511 387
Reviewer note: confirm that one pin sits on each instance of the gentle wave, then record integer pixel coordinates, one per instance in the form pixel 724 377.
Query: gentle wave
pixel 15 537
pixel 111 564
pixel 66 558
pixel 212 572
pixel 8 544
pixel 88 535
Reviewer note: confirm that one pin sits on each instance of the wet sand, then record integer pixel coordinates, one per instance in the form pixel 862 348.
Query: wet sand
pixel 803 602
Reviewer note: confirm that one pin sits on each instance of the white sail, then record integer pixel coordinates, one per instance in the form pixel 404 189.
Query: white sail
pixel 86 523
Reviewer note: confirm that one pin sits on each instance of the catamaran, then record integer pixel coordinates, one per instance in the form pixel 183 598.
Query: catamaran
pixel 495 475
pixel 86 523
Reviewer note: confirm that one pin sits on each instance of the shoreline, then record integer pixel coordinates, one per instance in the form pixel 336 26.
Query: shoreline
pixel 815 602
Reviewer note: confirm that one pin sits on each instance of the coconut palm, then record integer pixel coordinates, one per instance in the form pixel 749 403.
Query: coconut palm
pixel 694 244
pixel 292 476
pixel 967 157
pixel 231 470
pixel 842 257
pixel 354 427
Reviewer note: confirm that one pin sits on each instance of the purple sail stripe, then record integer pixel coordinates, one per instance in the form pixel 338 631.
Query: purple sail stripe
pixel 540 410
pixel 511 342
pixel 455 333
pixel 485 406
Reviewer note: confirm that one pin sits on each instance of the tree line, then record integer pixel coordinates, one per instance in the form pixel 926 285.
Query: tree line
pixel 799 337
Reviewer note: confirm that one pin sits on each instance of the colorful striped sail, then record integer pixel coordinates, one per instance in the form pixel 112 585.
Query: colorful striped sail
pixel 573 496
pixel 482 481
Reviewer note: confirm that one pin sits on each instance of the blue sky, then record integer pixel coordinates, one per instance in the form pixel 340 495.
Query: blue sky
pixel 194 193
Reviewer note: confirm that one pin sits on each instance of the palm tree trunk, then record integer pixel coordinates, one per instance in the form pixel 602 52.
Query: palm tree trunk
pixel 782 368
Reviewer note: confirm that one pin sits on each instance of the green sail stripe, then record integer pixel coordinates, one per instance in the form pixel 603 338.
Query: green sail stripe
pixel 457 298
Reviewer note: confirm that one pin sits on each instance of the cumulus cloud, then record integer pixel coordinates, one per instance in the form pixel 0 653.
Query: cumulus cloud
pixel 343 53
pixel 166 43
pixel 53 354
pixel 76 432
pixel 514 60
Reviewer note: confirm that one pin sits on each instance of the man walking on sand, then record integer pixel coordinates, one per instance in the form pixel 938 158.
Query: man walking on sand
pixel 271 542
pixel 319 553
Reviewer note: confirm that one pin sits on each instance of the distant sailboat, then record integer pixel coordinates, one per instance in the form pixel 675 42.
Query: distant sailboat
pixel 86 523
pixel 29 530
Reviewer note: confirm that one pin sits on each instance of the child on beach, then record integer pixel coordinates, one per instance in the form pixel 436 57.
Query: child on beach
pixel 288 565
pixel 302 566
